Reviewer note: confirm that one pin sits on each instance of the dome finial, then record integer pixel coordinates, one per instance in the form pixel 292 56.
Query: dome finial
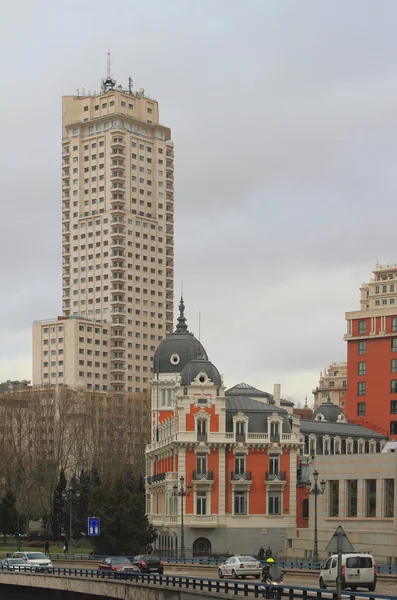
pixel 181 326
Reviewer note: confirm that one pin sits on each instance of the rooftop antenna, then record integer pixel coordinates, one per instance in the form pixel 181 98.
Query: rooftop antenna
pixel 109 70
pixel 130 84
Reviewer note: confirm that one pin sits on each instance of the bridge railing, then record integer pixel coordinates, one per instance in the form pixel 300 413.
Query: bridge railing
pixel 382 568
pixel 219 586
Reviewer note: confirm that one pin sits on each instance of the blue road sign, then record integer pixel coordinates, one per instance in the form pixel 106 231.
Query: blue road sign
pixel 94 526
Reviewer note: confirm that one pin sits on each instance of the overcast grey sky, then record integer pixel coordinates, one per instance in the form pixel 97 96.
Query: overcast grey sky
pixel 283 115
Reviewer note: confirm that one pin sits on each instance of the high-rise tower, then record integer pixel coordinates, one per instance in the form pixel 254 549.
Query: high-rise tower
pixel 117 243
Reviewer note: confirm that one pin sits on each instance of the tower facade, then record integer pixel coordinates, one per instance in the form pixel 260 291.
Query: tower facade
pixel 371 337
pixel 117 241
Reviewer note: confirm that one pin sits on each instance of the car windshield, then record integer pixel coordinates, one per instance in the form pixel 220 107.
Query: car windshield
pixel 247 559
pixel 36 555
pixel 122 560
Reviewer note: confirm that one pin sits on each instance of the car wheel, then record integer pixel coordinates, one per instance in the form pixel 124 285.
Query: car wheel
pixel 322 584
pixel 220 574
pixel 234 574
pixel 372 587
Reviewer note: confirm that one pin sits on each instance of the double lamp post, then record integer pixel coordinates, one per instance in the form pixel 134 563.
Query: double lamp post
pixel 315 490
pixel 182 492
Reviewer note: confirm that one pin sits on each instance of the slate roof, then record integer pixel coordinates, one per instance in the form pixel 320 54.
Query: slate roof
pixel 341 429
pixel 257 413
pixel 244 389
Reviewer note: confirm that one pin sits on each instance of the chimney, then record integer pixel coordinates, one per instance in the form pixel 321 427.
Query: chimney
pixel 277 394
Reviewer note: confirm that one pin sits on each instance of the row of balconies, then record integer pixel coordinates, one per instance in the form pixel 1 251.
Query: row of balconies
pixel 230 437
pixel 201 475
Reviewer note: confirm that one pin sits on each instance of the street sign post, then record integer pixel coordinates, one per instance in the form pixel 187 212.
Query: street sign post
pixel 94 526
pixel 339 543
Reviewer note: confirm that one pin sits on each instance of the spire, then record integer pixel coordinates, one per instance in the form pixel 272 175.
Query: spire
pixel 181 326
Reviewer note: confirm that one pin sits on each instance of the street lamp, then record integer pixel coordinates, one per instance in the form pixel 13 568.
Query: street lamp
pixel 182 492
pixel 68 495
pixel 316 491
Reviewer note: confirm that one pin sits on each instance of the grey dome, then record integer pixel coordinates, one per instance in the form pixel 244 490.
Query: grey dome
pixel 329 412
pixel 198 365
pixel 177 349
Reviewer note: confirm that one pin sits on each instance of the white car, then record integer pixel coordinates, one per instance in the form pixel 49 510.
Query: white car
pixel 37 559
pixel 358 570
pixel 240 566
pixel 15 564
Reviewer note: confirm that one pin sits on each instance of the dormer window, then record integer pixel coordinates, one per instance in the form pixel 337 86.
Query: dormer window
pixel 274 432
pixel 202 430
pixel 240 431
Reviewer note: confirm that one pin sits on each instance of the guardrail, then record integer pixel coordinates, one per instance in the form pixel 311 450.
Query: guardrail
pixel 292 565
pixel 227 587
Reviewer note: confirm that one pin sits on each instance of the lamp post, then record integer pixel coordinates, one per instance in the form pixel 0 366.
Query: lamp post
pixel 68 495
pixel 182 492
pixel 316 491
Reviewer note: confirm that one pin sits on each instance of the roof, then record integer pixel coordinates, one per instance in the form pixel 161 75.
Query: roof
pixel 200 365
pixel 177 349
pixel 329 411
pixel 257 413
pixel 244 389
pixel 341 429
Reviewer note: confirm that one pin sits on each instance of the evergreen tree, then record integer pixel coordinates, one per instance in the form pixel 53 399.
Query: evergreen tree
pixel 82 503
pixel 57 517
pixel 125 528
pixel 8 515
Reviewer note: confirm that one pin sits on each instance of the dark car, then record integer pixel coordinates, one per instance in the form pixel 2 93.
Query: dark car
pixel 149 564
pixel 118 563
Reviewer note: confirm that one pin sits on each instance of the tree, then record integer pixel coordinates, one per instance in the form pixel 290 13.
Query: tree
pixel 57 519
pixel 125 528
pixel 8 515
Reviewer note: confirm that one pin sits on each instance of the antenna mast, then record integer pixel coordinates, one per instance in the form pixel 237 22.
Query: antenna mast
pixel 109 72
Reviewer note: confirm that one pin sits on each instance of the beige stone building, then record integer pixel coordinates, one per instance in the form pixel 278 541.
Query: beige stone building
pixel 332 385
pixel 359 496
pixel 381 290
pixel 117 243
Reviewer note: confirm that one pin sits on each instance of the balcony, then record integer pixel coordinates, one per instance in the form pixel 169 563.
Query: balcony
pixel 280 477
pixel 240 437
pixel 236 476
pixel 203 476
pixel 202 521
pixel 274 437
pixel 202 437
pixel 159 478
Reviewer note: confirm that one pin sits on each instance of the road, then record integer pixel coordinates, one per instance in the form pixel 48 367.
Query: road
pixel 290 579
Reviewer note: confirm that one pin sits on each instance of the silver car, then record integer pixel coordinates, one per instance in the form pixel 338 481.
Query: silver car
pixel 240 566
pixel 36 559
pixel 16 564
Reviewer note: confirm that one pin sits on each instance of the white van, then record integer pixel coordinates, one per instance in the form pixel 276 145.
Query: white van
pixel 358 570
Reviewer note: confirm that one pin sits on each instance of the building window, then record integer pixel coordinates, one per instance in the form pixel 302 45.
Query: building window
pixel 362 347
pixel 352 497
pixel 239 464
pixel 240 431
pixel 393 427
pixel 201 464
pixel 201 430
pixel 274 503
pixel 362 368
pixel 371 498
pixel 362 388
pixel 393 407
pixel 274 464
pixel 333 498
pixel 389 498
pixel 332 384
pixel 305 508
pixel 394 365
pixel 361 409
pixel 394 324
pixel 362 327
pixel 240 503
pixel 201 503
pixel 393 386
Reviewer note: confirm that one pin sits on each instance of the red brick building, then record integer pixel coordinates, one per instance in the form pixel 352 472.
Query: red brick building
pixel 371 337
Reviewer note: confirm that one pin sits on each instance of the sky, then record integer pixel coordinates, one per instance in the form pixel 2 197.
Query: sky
pixel 283 116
